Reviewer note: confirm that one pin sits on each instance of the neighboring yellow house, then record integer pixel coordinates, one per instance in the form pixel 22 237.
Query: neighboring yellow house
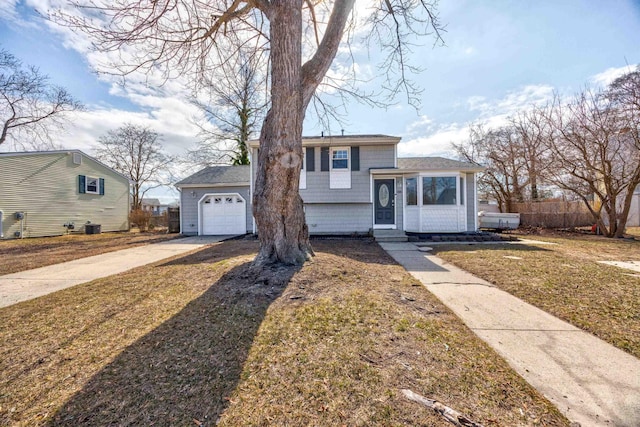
pixel 50 193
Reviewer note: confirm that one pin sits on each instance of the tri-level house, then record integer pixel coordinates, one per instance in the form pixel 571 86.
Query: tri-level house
pixel 349 185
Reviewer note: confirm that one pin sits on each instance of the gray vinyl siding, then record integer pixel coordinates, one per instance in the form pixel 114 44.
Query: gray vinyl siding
pixel 470 200
pixel 330 218
pixel 45 187
pixel 190 196
pixel 318 190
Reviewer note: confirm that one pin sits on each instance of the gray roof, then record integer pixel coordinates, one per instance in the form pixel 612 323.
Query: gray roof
pixel 219 175
pixel 151 202
pixel 435 163
pixel 366 136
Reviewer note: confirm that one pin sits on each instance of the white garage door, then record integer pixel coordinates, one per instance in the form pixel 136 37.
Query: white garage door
pixel 224 214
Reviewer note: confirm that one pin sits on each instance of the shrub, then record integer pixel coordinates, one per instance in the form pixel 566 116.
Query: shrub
pixel 140 218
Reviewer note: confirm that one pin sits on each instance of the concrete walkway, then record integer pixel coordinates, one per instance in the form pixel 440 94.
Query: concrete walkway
pixel 590 381
pixel 30 284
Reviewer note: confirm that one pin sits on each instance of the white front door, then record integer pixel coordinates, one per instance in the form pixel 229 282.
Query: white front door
pixel 223 214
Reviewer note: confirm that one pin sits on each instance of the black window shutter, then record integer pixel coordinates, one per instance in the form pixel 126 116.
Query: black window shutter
pixel 324 159
pixel 82 184
pixel 355 158
pixel 102 186
pixel 311 159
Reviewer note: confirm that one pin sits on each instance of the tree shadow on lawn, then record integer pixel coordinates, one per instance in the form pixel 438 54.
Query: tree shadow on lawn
pixel 182 372
pixel 361 250
pixel 217 252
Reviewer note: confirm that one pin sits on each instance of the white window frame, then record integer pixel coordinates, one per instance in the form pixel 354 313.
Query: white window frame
pixel 302 183
pixel 86 185
pixel 437 175
pixel 340 178
pixel 331 159
pixel 406 193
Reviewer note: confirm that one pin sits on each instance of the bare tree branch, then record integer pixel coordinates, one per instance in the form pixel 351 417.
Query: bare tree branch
pixel 30 105
pixel 137 153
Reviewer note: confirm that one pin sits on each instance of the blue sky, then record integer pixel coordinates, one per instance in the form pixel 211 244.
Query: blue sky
pixel 499 56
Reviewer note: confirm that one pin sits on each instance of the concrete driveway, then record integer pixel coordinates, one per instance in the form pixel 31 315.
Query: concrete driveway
pixel 30 284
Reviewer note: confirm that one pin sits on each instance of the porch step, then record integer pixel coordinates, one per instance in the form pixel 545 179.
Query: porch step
pixel 390 236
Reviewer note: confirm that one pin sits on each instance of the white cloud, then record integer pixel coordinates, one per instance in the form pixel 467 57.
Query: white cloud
pixel 163 104
pixel 525 98
pixel 171 122
pixel 8 12
pixel 478 103
pixel 420 126
pixel 610 74
pixel 436 144
pixel 428 138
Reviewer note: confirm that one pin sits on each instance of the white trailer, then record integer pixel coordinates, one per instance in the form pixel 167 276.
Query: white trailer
pixel 498 221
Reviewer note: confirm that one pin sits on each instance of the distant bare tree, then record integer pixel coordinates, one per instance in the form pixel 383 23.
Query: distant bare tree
pixel 501 153
pixel 30 106
pixel 530 130
pixel 624 92
pixel 595 147
pixel 236 94
pixel 136 152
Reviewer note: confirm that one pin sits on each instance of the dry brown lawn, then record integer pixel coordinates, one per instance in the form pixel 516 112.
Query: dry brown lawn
pixel 203 339
pixel 566 280
pixel 24 254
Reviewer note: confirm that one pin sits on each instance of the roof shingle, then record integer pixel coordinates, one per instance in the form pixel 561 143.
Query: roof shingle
pixel 435 163
pixel 219 175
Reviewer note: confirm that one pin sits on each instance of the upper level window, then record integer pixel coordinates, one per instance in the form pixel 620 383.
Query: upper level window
pixel 92 185
pixel 340 158
pixel 412 191
pixel 439 190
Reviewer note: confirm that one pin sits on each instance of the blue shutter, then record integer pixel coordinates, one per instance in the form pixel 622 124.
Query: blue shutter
pixel 324 159
pixel 82 186
pixel 102 186
pixel 355 158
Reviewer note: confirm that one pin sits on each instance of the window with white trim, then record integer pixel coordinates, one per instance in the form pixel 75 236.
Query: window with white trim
pixel 340 158
pixel 412 191
pixel 340 168
pixel 439 190
pixel 302 183
pixel 92 185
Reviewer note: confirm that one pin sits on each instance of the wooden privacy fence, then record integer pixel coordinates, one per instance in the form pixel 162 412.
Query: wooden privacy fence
pixel 554 214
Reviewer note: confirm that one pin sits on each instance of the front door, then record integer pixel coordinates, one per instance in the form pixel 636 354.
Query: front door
pixel 384 193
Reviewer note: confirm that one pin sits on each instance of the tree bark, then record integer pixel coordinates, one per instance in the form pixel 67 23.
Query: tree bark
pixel 277 205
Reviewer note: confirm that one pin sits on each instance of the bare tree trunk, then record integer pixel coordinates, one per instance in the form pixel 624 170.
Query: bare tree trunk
pixel 533 177
pixel 277 205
